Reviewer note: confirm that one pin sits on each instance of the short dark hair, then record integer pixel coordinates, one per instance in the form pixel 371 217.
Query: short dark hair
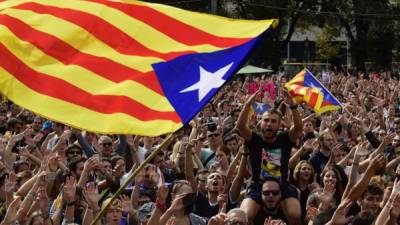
pixel 74 162
pixel 73 146
pixel 372 189
pixel 273 179
pixel 363 218
pixel 324 217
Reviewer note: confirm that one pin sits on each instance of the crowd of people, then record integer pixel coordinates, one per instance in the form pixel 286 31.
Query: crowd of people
pixel 231 165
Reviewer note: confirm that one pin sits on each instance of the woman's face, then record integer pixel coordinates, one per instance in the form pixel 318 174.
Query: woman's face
pixel 221 158
pixel 330 178
pixel 114 214
pixel 305 172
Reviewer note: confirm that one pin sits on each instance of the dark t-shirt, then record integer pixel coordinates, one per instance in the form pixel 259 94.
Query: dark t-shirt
pixel 204 209
pixel 262 215
pixel 270 159
pixel 318 161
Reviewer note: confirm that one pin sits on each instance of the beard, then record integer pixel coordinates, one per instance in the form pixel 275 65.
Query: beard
pixel 269 133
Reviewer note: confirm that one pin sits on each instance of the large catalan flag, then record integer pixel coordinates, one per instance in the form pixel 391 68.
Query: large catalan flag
pixel 304 87
pixel 124 67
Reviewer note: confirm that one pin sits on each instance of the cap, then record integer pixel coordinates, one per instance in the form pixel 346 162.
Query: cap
pixel 146 210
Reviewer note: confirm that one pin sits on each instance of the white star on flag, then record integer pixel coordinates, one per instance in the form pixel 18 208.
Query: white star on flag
pixel 208 81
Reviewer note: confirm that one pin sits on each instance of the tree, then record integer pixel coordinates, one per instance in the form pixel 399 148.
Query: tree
pixel 327 49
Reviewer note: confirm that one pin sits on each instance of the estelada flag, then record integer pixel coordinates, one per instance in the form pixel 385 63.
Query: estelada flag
pixel 124 67
pixel 305 87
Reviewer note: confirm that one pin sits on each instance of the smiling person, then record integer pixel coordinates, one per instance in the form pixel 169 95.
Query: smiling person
pixel 269 156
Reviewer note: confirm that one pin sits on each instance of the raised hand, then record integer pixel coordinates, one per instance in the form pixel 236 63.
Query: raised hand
pixel 126 203
pixel 339 217
pixel 43 200
pixel 218 219
pixel 10 183
pixel 162 193
pixel 92 195
pixel 12 211
pixel 326 196
pixel 69 189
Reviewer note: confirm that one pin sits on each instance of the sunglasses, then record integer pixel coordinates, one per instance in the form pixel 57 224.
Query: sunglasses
pixel 107 144
pixel 75 153
pixel 271 193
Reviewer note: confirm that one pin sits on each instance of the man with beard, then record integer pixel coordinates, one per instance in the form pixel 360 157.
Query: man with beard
pixel 271 198
pixel 269 156
pixel 319 159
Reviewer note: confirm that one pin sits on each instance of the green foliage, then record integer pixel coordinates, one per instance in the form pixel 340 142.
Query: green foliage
pixel 326 47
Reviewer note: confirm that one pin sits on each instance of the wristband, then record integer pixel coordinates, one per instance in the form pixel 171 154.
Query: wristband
pixel 70 203
pixel 161 206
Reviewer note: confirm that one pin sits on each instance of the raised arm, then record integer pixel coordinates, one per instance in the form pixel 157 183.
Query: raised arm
pixel 296 129
pixel 241 125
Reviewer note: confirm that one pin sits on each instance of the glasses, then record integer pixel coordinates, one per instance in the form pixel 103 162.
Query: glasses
pixel 75 153
pixel 271 193
pixel 109 144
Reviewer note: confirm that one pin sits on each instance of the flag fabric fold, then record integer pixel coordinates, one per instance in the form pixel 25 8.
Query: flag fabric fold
pixel 305 87
pixel 118 67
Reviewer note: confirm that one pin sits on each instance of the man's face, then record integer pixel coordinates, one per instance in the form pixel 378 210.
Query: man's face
pixel 271 195
pixel 106 147
pixel 202 182
pixel 396 125
pixel 327 142
pixel 74 152
pixel 214 138
pixel 308 127
pixel 79 169
pixel 37 124
pixel 370 203
pixel 215 183
pixel 232 145
pixel 270 125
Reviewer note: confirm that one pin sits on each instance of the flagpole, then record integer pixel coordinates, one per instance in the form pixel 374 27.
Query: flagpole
pixel 164 144
pixel 326 89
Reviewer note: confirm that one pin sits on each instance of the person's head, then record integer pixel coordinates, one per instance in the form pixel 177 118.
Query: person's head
pixel 14 125
pixel 214 138
pixel 396 125
pixel 323 217
pixel 201 178
pixel 236 216
pixel 303 171
pixel 308 127
pixel 231 142
pixel 105 145
pixel 215 183
pixel 221 158
pixel 270 123
pixel 144 212
pixel 76 165
pixel 235 114
pixel 181 187
pixel 370 199
pixel 20 166
pixel 151 176
pixel 326 142
pixel 271 193
pixel 363 218
pixel 381 134
pixel 23 177
pixel 113 214
pixel 36 218
pixel 159 159
pixel 58 128
pixel 207 111
pixel 353 129
pixel 37 123
pixel 339 154
pixel 334 175
pixel 118 163
pixel 72 151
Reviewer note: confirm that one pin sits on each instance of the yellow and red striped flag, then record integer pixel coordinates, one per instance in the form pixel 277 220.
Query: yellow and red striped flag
pixel 124 67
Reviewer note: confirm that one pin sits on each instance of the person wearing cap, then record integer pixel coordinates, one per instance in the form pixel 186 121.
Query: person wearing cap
pixel 207 155
pixel 144 213
pixel 275 147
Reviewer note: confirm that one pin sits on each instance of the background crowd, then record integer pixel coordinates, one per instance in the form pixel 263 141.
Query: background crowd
pixel 233 164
